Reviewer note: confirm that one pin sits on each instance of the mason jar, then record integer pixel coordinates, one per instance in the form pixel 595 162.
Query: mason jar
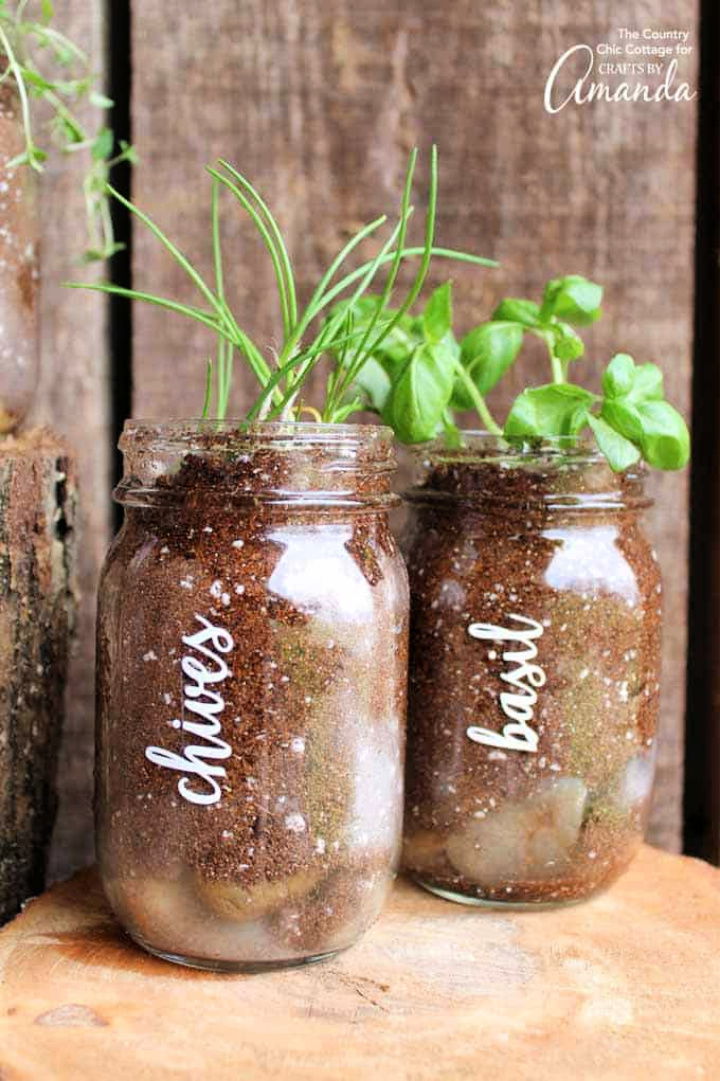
pixel 252 659
pixel 19 341
pixel 534 668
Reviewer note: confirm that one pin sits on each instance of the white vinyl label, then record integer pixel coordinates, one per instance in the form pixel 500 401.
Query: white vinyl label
pixel 205 669
pixel 524 676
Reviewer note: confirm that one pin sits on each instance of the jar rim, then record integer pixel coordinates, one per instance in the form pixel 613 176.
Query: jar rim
pixel 272 462
pixel 563 473
pixel 565 449
pixel 183 429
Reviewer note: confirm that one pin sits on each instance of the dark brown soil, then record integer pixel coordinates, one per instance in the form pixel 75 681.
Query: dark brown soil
pixel 295 857
pixel 559 545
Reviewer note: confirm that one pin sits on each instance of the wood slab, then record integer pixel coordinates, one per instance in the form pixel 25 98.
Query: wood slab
pixel 624 987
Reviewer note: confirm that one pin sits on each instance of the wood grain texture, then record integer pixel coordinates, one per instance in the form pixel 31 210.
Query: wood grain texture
pixel 74 398
pixel 625 986
pixel 37 607
pixel 319 101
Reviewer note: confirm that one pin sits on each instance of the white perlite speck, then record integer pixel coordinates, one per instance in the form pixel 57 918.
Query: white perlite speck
pixel 295 823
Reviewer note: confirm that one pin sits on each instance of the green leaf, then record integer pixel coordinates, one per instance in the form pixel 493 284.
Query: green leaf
pixel 397 345
pixel 516 310
pixel 636 411
pixel 421 394
pixel 623 378
pixel 67 131
pixel 568 345
pixel 622 415
pixel 573 299
pixel 100 101
pixel 47 11
pixel 665 438
pixel 32 156
pixel 619 376
pixel 618 450
pixel 554 409
pixel 487 352
pixel 103 145
pixel 346 410
pixel 437 315
pixel 36 80
pixel 648 383
pixel 374 382
pixel 128 153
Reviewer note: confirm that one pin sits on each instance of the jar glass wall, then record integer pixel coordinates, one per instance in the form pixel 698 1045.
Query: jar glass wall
pixel 251 689
pixel 535 639
pixel 19 332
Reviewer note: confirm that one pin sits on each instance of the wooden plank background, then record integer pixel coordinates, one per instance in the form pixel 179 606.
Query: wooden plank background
pixel 74 398
pixel 320 101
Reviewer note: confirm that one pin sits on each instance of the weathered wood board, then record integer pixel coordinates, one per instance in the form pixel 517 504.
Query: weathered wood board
pixel 319 102
pixel 74 399
pixel 626 986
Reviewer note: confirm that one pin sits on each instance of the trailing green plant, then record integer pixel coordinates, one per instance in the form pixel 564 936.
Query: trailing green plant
pixel 62 80
pixel 420 374
pixel 324 326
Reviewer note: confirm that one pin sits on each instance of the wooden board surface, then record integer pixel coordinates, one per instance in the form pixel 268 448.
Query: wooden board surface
pixel 626 987
pixel 319 102
pixel 74 399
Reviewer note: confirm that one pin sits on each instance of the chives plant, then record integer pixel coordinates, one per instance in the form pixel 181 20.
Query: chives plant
pixel 323 325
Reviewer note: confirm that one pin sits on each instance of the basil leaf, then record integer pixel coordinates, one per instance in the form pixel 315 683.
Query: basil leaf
pixel 665 438
pixel 395 346
pixel 421 393
pixel 437 314
pixel 374 382
pixel 635 409
pixel 622 415
pixel 618 450
pixel 554 409
pixel 648 383
pixel 619 376
pixel 568 344
pixel 572 298
pixel 516 310
pixel 487 352
pixel 624 378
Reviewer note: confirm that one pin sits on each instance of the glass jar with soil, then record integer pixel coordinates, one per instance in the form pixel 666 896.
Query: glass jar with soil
pixel 251 687
pixel 19 276
pixel 535 651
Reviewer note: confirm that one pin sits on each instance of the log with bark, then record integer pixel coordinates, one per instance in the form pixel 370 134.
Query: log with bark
pixel 37 506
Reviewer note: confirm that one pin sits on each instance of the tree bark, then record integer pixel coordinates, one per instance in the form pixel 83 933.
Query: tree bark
pixel 37 601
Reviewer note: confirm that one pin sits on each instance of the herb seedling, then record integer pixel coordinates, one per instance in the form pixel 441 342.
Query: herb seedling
pixel 323 325
pixel 65 81
pixel 420 374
